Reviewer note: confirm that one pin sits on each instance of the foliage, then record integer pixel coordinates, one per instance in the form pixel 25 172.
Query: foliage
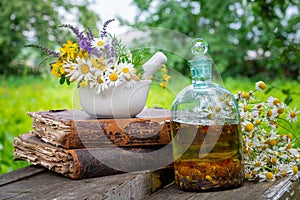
pixel 18 96
pixel 246 37
pixel 35 22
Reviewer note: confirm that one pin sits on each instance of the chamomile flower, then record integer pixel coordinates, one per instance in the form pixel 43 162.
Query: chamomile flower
pixel 273 101
pixel 271 114
pixel 260 86
pixel 82 70
pixel 100 82
pixel 281 108
pixel 114 77
pixel 98 43
pixel 292 115
pixel 248 126
pixel 127 70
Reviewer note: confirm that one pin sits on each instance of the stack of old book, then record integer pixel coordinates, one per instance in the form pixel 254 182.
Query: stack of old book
pixel 71 143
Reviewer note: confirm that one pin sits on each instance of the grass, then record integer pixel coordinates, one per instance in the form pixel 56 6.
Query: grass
pixel 22 94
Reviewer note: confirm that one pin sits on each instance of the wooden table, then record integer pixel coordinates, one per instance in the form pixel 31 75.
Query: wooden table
pixel 39 183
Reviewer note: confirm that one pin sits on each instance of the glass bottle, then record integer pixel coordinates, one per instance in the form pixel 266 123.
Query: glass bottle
pixel 205 127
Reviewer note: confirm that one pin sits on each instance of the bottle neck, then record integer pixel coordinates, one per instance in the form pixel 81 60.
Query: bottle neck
pixel 201 71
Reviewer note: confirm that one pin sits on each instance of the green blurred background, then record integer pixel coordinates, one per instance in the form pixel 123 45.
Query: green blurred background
pixel 248 40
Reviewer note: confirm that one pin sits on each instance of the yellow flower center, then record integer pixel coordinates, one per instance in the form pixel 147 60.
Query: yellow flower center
pixel 99 79
pixel 293 114
pixel 295 169
pixel 284 172
pixel 125 70
pixel 218 109
pixel 246 95
pixel 276 102
pixel 289 136
pixel 248 175
pixel 272 122
pixel 269 175
pixel 269 114
pixel 274 160
pixel 249 127
pixel 280 110
pixel 245 108
pixel 100 43
pixel 272 143
pixel 113 77
pixel 289 146
pixel 85 68
pixel 262 85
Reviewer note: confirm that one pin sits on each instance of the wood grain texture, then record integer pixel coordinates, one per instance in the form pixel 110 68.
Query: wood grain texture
pixel 138 185
pixel 284 188
pixel 73 129
pixel 48 185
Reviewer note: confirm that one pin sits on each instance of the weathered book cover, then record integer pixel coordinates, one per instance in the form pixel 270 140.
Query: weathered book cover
pixel 74 129
pixel 86 163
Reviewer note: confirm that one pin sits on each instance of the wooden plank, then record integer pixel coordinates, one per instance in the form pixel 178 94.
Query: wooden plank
pixel 284 188
pixel 48 185
pixel 20 174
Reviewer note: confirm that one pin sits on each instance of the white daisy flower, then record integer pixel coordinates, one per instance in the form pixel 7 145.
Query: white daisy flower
pixel 114 77
pixel 82 70
pixel 292 115
pixel 260 86
pixel 247 127
pixel 281 108
pixel 266 176
pixel 100 82
pixel 273 101
pixel 272 113
pixel 98 43
pixel 127 70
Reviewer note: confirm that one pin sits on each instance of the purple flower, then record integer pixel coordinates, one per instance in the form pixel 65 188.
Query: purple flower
pixel 84 41
pixel 104 32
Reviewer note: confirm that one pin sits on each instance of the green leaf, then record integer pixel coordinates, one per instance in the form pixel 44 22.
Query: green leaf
pixel 288 100
pixel 62 79
pixel 68 81
pixel 285 91
pixel 268 90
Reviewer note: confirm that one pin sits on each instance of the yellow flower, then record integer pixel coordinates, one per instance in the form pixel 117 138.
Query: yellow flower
pixel 69 50
pixel 164 69
pixel 163 85
pixel 57 68
pixel 83 54
pixel 166 77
